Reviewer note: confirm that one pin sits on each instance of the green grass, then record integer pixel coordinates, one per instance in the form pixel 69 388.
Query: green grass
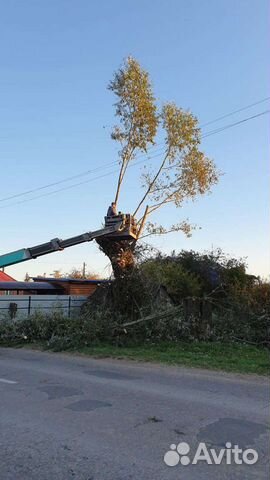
pixel 216 356
pixel 226 357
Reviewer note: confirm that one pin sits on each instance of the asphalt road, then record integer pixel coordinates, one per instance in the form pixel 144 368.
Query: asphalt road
pixel 67 417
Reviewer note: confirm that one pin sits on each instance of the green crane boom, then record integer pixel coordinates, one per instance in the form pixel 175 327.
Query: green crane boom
pixel 120 226
pixel 53 245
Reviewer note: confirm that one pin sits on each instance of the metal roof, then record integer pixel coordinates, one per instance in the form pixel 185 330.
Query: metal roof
pixel 27 286
pixel 4 277
pixel 69 280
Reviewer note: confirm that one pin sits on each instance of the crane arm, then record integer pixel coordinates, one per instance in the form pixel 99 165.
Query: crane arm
pixel 54 245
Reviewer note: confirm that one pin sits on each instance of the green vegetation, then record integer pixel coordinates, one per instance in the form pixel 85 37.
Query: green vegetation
pixel 198 310
pixel 245 359
pixel 217 356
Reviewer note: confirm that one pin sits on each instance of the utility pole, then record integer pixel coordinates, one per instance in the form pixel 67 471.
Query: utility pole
pixel 84 270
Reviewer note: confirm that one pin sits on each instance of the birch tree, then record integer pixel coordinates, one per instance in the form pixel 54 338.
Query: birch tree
pixel 184 172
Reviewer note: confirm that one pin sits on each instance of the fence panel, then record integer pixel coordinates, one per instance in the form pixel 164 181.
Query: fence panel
pixel 20 306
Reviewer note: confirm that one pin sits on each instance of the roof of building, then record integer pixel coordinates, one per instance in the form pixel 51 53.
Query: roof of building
pixel 27 286
pixel 4 277
pixel 69 280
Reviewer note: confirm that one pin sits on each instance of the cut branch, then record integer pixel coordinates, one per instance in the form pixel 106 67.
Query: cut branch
pixel 163 315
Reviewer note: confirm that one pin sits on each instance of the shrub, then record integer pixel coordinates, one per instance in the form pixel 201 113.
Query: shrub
pixel 197 305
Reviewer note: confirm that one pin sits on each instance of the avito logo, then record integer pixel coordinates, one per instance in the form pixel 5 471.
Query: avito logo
pixel 231 455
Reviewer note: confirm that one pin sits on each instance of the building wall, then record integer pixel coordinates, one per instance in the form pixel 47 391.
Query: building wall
pixel 71 287
pixel 8 292
pixel 86 290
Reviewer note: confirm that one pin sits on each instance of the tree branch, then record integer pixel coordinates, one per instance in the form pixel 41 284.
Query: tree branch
pixel 152 183
pixel 122 172
pixel 158 205
pixel 159 233
pixel 120 179
pixel 142 221
pixel 125 162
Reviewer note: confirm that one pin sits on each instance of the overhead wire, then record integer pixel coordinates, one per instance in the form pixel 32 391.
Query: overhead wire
pixel 225 127
pixel 235 111
pixel 53 184
pixel 101 167
pixel 87 172
pixel 145 158
pixel 75 185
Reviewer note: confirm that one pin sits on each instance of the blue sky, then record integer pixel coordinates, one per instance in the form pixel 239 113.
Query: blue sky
pixel 57 58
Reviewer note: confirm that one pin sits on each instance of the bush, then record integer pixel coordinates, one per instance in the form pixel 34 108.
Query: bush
pixel 178 282
pixel 193 305
pixel 200 272
pixel 55 329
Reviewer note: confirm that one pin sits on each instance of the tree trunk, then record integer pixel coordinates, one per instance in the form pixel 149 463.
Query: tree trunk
pixel 120 253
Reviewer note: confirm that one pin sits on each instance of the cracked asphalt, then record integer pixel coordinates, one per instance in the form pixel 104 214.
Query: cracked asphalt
pixel 65 417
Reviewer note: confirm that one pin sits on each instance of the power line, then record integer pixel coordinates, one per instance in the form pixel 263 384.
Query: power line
pixel 222 117
pixel 53 184
pixel 87 172
pixel 225 127
pixel 214 132
pixel 76 184
pixel 58 190
pixel 67 179
pixel 234 112
pixel 109 164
